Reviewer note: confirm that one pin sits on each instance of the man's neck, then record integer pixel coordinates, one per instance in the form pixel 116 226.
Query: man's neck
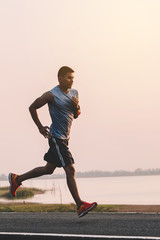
pixel 63 89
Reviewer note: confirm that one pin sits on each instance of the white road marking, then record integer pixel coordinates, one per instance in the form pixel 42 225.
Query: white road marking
pixel 80 236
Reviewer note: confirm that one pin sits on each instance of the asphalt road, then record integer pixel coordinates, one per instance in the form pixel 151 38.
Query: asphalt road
pixel 117 224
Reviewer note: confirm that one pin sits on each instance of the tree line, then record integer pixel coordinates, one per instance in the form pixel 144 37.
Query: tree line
pixel 98 173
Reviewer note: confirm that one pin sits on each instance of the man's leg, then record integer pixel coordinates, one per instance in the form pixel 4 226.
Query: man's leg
pixel 16 180
pixel 71 182
pixel 36 172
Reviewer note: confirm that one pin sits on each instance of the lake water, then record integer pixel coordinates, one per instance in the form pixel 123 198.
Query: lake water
pixel 104 190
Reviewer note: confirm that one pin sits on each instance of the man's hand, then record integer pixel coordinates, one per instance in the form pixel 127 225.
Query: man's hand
pixel 75 102
pixel 45 131
pixel 77 110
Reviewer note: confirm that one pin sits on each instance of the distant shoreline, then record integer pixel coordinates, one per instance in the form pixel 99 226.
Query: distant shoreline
pixel 98 173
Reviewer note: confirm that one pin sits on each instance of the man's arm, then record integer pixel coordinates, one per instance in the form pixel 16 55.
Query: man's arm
pixel 38 103
pixel 77 110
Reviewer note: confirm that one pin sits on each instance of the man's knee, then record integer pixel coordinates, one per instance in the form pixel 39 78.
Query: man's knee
pixel 70 170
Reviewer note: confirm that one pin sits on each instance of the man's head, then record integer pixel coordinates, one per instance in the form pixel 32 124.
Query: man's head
pixel 64 70
pixel 65 77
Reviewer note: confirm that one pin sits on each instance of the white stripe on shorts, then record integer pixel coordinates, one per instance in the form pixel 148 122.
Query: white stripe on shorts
pixel 58 151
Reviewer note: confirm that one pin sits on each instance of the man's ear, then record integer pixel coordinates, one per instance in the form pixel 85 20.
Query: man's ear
pixel 60 79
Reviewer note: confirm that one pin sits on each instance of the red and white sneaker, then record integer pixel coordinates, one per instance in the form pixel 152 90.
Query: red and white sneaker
pixel 85 208
pixel 13 185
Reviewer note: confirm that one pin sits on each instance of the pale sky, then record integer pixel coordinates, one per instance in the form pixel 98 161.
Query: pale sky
pixel 114 48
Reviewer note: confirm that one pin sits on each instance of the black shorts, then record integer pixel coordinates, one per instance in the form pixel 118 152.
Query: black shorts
pixel 59 153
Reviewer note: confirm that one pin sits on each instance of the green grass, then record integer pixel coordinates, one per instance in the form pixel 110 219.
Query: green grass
pixel 22 193
pixel 31 207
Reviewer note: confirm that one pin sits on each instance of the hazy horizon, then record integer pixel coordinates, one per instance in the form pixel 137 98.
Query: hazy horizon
pixel 114 48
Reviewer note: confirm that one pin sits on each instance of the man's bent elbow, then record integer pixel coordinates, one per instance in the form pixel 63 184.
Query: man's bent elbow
pixel 31 108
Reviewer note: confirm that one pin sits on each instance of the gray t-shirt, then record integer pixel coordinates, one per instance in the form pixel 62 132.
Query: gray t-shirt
pixel 62 112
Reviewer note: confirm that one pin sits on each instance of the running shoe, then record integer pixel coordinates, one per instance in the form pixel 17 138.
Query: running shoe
pixel 85 208
pixel 13 185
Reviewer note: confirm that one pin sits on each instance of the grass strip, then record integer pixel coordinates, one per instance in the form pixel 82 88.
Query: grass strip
pixel 22 193
pixel 31 207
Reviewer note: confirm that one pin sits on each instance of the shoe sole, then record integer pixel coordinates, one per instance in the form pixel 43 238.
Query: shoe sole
pixel 10 181
pixel 88 210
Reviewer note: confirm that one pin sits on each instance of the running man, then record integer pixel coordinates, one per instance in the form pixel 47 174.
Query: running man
pixel 63 107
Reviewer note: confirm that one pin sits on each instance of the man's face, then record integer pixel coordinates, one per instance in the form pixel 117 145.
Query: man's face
pixel 67 80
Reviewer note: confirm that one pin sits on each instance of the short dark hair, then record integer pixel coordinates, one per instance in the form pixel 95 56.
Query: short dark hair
pixel 64 70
